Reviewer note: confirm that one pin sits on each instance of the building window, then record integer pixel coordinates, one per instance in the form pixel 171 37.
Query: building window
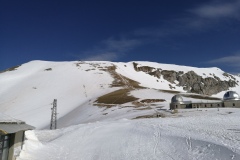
pixel 4 146
pixel 233 104
pixel 176 106
pixel 211 105
pixel 205 105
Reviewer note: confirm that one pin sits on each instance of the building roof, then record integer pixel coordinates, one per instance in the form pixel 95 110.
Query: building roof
pixel 11 125
pixel 8 119
pixel 231 95
pixel 13 128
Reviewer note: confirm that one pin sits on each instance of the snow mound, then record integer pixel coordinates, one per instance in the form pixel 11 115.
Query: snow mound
pixel 203 137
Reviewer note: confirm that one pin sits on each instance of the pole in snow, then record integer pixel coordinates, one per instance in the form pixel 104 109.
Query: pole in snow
pixel 53 124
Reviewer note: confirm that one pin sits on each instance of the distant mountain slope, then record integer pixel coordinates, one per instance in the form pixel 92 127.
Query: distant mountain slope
pixel 91 91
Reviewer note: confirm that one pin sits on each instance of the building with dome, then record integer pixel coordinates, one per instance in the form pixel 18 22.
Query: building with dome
pixel 230 95
pixel 230 99
pixel 178 103
pixel 177 99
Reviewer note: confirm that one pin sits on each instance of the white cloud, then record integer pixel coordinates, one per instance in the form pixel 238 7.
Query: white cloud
pixel 199 19
pixel 110 49
pixel 218 10
pixel 121 45
pixel 103 57
pixel 232 60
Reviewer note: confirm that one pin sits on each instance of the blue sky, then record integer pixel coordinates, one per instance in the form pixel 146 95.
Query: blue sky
pixel 194 33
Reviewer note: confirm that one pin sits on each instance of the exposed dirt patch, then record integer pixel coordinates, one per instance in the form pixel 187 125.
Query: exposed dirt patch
pixel 156 115
pixel 10 69
pixel 152 100
pixel 229 76
pixel 90 70
pixel 120 80
pixel 145 108
pixel 48 69
pixel 144 116
pixel 171 87
pixel 138 104
pixel 104 105
pixel 169 91
pixel 117 97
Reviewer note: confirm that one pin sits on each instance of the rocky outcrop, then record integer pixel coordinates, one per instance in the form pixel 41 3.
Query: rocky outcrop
pixel 190 81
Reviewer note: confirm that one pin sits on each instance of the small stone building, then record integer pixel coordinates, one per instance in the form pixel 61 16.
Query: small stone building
pixel 11 136
pixel 230 99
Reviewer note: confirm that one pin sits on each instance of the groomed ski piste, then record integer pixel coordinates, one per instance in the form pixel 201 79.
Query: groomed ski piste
pixel 90 131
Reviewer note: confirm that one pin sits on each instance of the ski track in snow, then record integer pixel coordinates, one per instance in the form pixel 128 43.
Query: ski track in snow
pixel 153 139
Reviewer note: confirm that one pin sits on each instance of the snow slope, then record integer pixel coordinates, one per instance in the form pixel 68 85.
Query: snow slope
pixel 212 135
pixel 91 130
pixel 27 93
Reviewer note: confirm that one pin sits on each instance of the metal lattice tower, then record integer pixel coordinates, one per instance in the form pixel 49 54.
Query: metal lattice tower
pixel 53 124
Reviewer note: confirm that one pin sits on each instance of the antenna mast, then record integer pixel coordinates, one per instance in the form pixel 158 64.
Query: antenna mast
pixel 53 124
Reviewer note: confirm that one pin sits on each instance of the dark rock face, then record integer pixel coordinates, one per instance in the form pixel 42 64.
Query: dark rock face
pixel 190 81
pixel 170 76
pixel 156 73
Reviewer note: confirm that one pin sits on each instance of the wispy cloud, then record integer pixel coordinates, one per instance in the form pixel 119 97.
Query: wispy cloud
pixel 232 60
pixel 198 19
pixel 111 49
pixel 102 57
pixel 214 13
pixel 218 10
pixel 121 45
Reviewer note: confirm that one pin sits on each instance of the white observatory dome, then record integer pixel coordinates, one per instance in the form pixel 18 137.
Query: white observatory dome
pixel 177 99
pixel 231 95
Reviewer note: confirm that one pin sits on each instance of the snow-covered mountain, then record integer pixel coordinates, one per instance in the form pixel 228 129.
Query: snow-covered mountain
pixel 88 91
pixel 105 109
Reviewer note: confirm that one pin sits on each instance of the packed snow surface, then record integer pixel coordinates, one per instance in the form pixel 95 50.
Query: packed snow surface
pixel 202 135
